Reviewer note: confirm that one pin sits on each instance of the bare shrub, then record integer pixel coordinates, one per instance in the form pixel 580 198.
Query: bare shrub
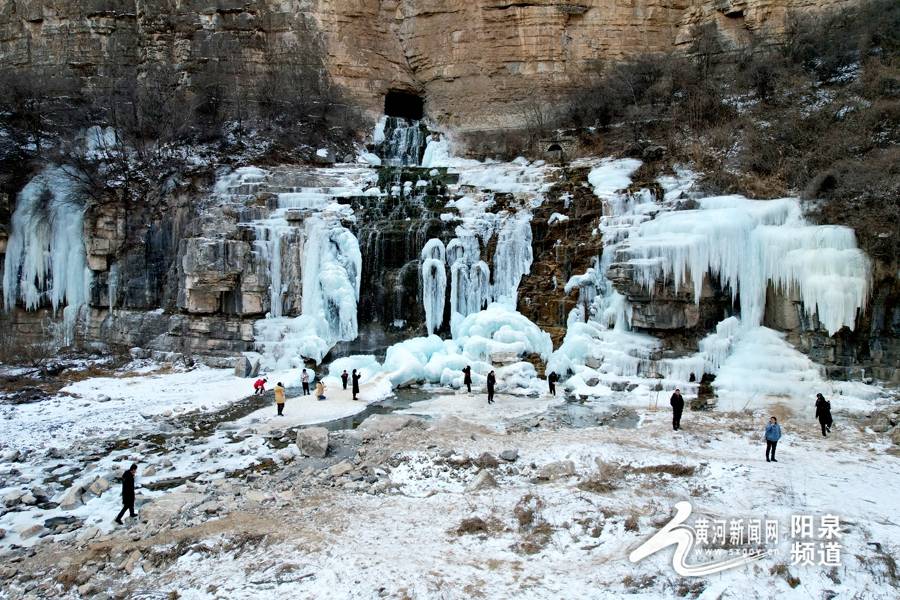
pixel 478 526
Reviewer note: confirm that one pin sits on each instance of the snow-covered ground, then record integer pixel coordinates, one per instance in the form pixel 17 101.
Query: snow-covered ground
pixel 560 520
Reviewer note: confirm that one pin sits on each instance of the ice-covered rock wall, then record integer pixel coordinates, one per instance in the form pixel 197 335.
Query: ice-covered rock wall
pixel 45 260
pixel 748 245
pixel 745 246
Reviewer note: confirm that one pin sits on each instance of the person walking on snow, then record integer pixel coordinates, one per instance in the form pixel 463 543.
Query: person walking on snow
pixel 304 379
pixel 467 378
pixel 491 382
pixel 823 414
pixel 355 376
pixel 127 493
pixel 677 402
pixel 344 378
pixel 259 386
pixel 773 434
pixel 551 381
pixel 279 398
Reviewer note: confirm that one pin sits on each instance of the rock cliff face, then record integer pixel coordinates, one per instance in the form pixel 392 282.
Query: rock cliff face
pixel 478 64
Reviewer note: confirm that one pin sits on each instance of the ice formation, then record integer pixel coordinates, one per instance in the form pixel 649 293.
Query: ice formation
pixel 469 275
pixel 45 256
pixel 513 257
pixel 332 270
pixel 402 141
pixel 749 244
pixel 434 283
pixel 268 245
pixel 496 330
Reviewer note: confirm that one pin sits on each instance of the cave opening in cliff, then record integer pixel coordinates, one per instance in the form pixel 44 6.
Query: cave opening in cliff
pixel 404 104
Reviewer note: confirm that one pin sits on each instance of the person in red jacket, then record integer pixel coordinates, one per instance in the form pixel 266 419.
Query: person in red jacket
pixel 259 386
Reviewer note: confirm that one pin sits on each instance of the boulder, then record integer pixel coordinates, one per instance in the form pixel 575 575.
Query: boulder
pixel 895 436
pixel 487 461
pixel 60 522
pixel 342 468
pixel 149 471
pixel 10 456
pixel 243 367
pixel 88 534
pixel 72 498
pixel 510 455
pixel 30 531
pixel 28 499
pixel 556 470
pixel 313 442
pixel 210 508
pixel 287 454
pixel 131 562
pixel 98 486
pixel 881 424
pixel 13 498
pixel 482 481
pixel 377 425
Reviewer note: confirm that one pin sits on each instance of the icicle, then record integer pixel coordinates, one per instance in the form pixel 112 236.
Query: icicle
pixel 434 288
pixel 748 244
pixel 434 283
pixel 112 285
pixel 269 245
pixel 434 248
pixel 332 271
pixel 45 257
pixel 512 258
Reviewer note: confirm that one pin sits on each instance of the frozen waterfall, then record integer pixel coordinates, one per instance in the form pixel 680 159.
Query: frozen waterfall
pixel 401 141
pixel 434 283
pixel 45 256
pixel 332 269
pixel 268 243
pixel 749 244
pixel 513 257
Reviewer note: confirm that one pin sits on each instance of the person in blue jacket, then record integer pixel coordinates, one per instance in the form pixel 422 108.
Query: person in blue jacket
pixel 773 434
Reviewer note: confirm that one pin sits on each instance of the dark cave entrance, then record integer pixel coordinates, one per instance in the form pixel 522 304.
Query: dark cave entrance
pixel 406 105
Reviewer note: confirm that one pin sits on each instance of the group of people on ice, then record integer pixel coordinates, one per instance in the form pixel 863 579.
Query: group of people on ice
pixel 491 383
pixel 259 387
pixel 771 436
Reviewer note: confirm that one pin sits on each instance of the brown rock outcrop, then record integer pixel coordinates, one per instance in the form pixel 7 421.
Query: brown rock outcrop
pixel 478 63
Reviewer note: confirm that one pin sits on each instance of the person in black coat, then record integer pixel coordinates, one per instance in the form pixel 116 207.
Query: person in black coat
pixel 356 377
pixel 344 378
pixel 491 382
pixel 823 414
pixel 677 403
pixel 127 493
pixel 467 378
pixel 551 381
